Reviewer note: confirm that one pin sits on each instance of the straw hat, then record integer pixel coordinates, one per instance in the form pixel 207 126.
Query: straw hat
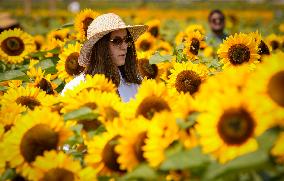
pixel 101 26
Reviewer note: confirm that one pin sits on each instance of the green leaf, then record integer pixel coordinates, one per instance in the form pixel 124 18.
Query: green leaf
pixel 142 171
pixel 267 139
pixel 67 25
pixel 185 159
pixel 9 174
pixel 82 113
pixel 13 75
pixel 158 58
pixel 246 162
pixel 3 88
pixel 45 64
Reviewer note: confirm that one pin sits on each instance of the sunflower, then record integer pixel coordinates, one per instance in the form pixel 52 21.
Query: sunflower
pixel 150 71
pixel 163 47
pixel 29 97
pixel 269 88
pixel 68 65
pixel 238 49
pixel 228 129
pixel 152 97
pixel 10 114
pixel 98 82
pixel 35 132
pixel 39 42
pixel 15 45
pixel 263 49
pixel 187 77
pixel 101 149
pixel 194 28
pixel 154 27
pixel 145 43
pixel 193 42
pixel 183 107
pixel 82 21
pixel 41 81
pixel 107 105
pixel 59 35
pixel 180 38
pixel 57 166
pixel 278 149
pixel 131 142
pixel 273 41
pixel 162 131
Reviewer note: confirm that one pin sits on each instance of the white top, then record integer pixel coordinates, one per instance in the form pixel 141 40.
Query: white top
pixel 126 90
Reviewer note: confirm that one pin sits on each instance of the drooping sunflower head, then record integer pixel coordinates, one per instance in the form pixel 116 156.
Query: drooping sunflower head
pixel 82 21
pixel 145 42
pixel 15 45
pixel 193 43
pixel 238 49
pixel 150 71
pixel 35 132
pixel 39 41
pixel 58 35
pixel 187 77
pixel 154 27
pixel 68 65
pixel 152 97
pixel 180 38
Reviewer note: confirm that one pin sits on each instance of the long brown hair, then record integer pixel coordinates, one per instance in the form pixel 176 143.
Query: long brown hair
pixel 101 63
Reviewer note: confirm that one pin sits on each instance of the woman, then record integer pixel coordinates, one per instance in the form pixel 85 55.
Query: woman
pixel 110 50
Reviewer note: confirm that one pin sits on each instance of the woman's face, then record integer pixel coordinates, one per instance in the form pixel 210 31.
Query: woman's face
pixel 118 46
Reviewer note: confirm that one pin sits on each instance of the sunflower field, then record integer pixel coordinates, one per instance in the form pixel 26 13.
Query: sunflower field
pixel 204 110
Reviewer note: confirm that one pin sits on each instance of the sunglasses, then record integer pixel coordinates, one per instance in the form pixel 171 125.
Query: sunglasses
pixel 217 20
pixel 117 41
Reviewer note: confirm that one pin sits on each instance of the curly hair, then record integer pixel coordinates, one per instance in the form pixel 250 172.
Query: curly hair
pixel 101 63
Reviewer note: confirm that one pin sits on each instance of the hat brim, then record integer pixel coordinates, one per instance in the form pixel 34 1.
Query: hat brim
pixel 86 50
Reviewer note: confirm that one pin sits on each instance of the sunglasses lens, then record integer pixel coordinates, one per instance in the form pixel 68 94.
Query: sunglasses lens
pixel 117 41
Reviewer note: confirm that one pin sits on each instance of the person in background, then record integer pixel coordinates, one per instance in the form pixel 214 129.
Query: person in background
pixel 216 20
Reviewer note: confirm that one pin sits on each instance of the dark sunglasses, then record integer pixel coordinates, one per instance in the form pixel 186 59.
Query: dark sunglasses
pixel 118 41
pixel 215 20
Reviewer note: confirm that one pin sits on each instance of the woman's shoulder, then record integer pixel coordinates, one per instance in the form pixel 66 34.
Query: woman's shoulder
pixel 74 82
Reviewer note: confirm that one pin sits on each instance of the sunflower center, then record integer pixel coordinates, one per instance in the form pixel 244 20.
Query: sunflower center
pixel 145 45
pixel 58 174
pixel 188 81
pixel 150 105
pixel 110 113
pixel 109 156
pixel 38 45
pixel 57 37
pixel 46 86
pixel 154 31
pixel 36 140
pixel 13 46
pixel 86 24
pixel 275 45
pixel 236 126
pixel 146 69
pixel 194 46
pixel 263 48
pixel 89 124
pixel 72 66
pixel 138 146
pixel 239 54
pixel 276 88
pixel 90 105
pixel 30 102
